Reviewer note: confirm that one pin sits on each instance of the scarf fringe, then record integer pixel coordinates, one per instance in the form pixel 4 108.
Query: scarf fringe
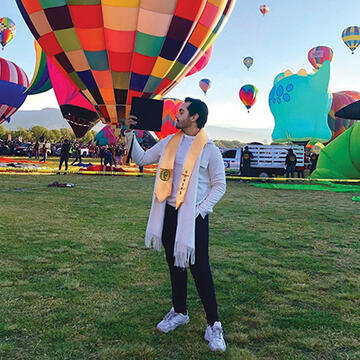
pixel 184 258
pixel 151 240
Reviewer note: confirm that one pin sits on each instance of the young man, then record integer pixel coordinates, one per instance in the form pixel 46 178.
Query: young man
pixel 190 181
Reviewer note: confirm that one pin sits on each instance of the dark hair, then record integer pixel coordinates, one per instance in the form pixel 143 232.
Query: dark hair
pixel 198 107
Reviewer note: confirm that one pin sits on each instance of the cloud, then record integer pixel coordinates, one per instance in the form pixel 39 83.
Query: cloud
pixel 40 101
pixel 232 114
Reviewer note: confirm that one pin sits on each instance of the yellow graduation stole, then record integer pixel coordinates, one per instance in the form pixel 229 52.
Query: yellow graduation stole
pixel 165 178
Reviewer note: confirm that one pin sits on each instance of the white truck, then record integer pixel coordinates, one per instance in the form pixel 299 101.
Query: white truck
pixel 268 160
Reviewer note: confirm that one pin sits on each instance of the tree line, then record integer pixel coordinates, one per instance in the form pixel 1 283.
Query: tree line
pixel 33 134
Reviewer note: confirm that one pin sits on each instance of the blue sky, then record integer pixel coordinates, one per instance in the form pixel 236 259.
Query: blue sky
pixel 278 41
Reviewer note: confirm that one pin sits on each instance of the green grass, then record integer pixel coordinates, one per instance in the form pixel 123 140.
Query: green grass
pixel 76 281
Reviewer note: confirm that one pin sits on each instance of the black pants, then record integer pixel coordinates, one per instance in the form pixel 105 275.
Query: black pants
pixel 62 160
pixel 246 171
pixel 200 270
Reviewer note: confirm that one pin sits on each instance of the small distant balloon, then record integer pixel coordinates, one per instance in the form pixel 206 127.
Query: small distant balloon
pixel 264 9
pixel 248 61
pixel 205 85
pixel 247 95
pixel 351 37
pixel 318 55
pixel 7 31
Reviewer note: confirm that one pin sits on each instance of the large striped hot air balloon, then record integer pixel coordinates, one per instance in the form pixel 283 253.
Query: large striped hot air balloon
pixel 75 108
pixel 351 37
pixel 7 31
pixel 114 50
pixel 13 83
pixel 318 55
pixel 40 81
pixel 247 95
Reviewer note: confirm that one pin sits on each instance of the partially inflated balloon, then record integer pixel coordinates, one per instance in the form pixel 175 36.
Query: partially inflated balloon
pixel 264 9
pixel 7 30
pixel 205 85
pixel 248 61
pixel 201 63
pixel 247 95
pixel 75 108
pixel 351 37
pixel 341 99
pixel 168 127
pixel 318 55
pixel 13 83
pixel 115 49
pixel 41 80
pixel 109 135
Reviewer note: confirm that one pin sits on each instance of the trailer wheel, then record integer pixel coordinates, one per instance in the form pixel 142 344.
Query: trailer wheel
pixel 264 174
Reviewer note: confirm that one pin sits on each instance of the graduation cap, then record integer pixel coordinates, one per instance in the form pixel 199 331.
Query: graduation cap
pixel 149 113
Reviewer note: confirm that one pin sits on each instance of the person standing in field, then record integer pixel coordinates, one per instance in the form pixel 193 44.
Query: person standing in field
pixel 290 163
pixel 246 157
pixel 190 180
pixel 64 155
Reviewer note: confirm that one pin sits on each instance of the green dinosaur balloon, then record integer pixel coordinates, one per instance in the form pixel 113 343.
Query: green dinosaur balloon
pixel 300 104
pixel 341 158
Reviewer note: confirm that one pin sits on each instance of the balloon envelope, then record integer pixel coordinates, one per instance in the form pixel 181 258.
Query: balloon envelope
pixel 109 135
pixel 13 83
pixel 168 127
pixel 247 95
pixel 264 9
pixel 205 85
pixel 41 80
pixel 75 108
pixel 248 61
pixel 318 55
pixel 201 63
pixel 351 37
pixel 114 50
pixel 7 30
pixel 337 124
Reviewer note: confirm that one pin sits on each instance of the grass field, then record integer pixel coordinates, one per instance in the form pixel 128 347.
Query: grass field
pixel 76 281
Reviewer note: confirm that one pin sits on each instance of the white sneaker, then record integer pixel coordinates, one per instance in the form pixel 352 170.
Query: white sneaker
pixel 172 320
pixel 214 335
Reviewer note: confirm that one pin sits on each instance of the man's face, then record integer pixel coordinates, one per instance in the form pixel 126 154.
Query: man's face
pixel 183 118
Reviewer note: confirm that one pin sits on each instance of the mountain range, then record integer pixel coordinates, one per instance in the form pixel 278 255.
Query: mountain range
pixel 51 118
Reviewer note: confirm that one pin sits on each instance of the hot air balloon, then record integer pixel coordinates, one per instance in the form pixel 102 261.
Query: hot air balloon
pixel 205 85
pixel 75 108
pixel 114 50
pixel 248 61
pixel 264 9
pixel 351 37
pixel 13 83
pixel 41 80
pixel 247 95
pixel 108 136
pixel 7 30
pixel 337 124
pixel 318 55
pixel 201 63
pixel 168 127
